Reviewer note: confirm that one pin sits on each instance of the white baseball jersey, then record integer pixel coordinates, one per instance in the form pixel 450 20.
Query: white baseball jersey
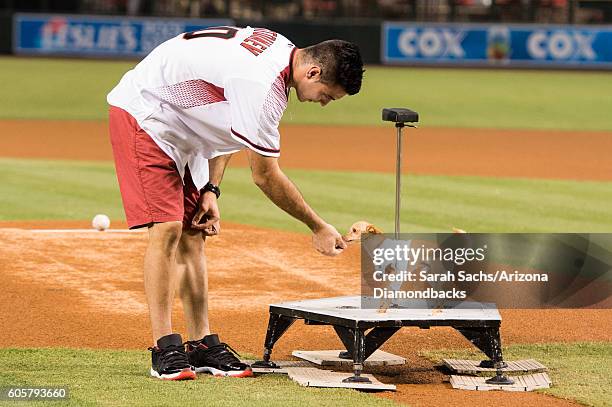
pixel 210 92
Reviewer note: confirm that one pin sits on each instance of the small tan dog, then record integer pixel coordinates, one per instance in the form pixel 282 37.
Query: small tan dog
pixel 354 233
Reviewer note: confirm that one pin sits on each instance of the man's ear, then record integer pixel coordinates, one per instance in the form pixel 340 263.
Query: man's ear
pixel 313 73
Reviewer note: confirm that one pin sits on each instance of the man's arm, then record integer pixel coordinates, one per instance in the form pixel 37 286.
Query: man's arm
pixel 216 168
pixel 208 207
pixel 268 176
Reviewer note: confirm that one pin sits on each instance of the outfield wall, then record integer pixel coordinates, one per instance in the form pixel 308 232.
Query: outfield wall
pixel 134 37
pixel 393 43
pixel 537 46
pixel 97 36
pixel 5 33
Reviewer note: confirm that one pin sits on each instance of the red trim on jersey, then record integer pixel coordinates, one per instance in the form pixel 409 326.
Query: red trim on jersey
pixel 241 137
pixel 219 91
pixel 286 73
pixel 190 93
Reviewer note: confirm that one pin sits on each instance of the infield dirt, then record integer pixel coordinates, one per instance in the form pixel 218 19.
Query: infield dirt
pixel 74 289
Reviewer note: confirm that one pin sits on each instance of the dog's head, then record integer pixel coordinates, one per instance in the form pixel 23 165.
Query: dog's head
pixel 354 233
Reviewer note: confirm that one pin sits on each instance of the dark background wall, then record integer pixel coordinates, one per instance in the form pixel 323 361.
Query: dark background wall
pixel 302 33
pixel 6 29
pixel 365 35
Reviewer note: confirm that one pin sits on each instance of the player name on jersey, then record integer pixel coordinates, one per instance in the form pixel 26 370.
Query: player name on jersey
pixel 259 41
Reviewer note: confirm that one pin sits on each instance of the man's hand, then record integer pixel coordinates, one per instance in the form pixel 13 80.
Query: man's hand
pixel 209 212
pixel 326 240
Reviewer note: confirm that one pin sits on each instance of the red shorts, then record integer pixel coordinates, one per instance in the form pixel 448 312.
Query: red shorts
pixel 150 184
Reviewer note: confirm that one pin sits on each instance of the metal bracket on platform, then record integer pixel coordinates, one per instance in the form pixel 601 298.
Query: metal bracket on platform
pixel 374 339
pixel 489 342
pixel 354 340
pixel 277 326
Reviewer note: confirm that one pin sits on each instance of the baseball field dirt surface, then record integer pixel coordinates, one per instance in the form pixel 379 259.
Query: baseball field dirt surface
pixel 83 289
pixel 480 152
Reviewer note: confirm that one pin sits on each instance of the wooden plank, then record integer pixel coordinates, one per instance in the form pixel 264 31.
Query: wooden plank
pixel 471 367
pixel 521 383
pixel 528 381
pixel 331 358
pixel 313 377
pixel 282 365
pixel 467 366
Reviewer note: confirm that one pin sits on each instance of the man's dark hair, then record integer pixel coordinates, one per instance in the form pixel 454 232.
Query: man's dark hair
pixel 340 62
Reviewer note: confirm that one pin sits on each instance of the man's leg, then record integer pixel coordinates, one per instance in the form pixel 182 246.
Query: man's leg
pixel 160 275
pixel 193 283
pixel 206 352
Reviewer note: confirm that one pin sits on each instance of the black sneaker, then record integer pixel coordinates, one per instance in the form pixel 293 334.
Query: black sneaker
pixel 169 360
pixel 209 355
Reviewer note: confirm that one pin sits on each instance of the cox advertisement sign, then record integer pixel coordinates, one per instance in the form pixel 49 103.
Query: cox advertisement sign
pixel 50 34
pixel 513 45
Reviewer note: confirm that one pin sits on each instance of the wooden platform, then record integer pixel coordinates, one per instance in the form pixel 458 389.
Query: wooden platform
pixel 347 311
pixel 313 377
pixel 471 367
pixel 521 383
pixel 330 358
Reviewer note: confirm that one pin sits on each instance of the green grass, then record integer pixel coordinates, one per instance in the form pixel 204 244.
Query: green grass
pixel 579 371
pixel 38 88
pixel 474 98
pixel 36 189
pixel 120 378
pixel 61 89
pixel 31 189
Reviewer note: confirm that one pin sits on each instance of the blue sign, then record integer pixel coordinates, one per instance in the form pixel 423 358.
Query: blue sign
pixel 505 45
pixel 82 35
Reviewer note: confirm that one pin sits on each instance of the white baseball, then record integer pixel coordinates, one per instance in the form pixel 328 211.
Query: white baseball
pixel 100 222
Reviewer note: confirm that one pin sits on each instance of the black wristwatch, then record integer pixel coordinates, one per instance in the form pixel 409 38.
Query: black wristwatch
pixel 212 188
